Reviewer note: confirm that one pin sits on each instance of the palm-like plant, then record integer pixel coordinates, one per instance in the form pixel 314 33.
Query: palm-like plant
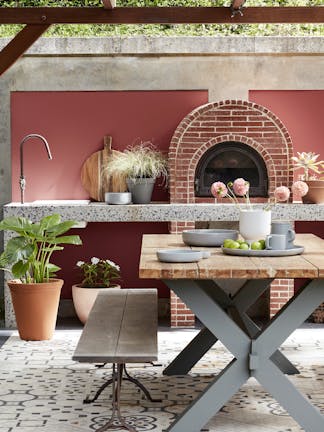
pixel 307 161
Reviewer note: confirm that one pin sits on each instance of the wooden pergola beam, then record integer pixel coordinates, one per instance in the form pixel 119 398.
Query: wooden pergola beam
pixel 161 15
pixel 19 44
pixel 109 4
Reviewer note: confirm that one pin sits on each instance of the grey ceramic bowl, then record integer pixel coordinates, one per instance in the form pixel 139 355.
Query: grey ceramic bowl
pixel 118 198
pixel 181 255
pixel 208 237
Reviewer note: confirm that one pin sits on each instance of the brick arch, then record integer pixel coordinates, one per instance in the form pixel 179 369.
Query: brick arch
pixel 229 120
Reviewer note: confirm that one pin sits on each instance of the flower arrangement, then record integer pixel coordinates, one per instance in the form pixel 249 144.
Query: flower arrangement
pixel 98 273
pixel 240 188
pixel 307 161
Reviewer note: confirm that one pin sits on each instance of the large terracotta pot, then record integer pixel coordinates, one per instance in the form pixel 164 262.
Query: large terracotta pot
pixel 36 306
pixel 315 194
pixel 84 298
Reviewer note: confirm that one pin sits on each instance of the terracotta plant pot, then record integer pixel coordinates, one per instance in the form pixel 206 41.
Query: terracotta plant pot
pixel 315 194
pixel 84 298
pixel 36 306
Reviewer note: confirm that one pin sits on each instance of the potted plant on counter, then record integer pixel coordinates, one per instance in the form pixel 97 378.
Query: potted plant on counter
pixel 35 291
pixel 140 165
pixel 98 274
pixel 313 176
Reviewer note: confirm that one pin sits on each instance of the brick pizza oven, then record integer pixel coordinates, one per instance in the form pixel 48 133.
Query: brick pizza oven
pixel 244 127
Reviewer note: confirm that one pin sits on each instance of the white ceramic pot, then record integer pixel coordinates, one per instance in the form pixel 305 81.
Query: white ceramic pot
pixel 254 224
pixel 84 298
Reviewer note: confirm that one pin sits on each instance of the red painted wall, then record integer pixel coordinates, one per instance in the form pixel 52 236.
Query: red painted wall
pixel 302 112
pixel 74 124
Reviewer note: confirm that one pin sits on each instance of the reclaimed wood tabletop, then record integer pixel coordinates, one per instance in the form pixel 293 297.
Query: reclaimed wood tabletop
pixel 310 264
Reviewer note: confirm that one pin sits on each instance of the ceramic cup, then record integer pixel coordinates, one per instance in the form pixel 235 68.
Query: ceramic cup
pixel 276 241
pixel 284 227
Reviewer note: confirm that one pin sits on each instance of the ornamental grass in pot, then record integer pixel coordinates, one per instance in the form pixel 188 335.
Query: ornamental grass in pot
pixel 139 166
pixel 98 274
pixel 35 291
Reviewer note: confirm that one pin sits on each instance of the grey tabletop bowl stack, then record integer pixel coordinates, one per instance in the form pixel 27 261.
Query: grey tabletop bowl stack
pixel 208 237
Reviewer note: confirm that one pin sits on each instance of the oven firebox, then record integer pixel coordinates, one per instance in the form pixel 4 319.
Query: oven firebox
pixel 228 161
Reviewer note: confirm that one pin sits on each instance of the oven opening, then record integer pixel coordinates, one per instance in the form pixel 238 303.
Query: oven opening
pixel 230 160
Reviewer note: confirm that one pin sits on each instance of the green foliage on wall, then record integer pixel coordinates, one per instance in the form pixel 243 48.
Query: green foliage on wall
pixel 169 30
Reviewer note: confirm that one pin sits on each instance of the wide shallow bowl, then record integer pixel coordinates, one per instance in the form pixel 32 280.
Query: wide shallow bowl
pixel 181 255
pixel 118 197
pixel 208 237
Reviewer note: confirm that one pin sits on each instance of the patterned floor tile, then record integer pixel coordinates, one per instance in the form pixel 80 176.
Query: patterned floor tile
pixel 42 389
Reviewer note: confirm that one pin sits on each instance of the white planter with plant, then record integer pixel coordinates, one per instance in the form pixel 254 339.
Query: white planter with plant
pixel 98 275
pixel 35 291
pixel 139 165
pixel 312 175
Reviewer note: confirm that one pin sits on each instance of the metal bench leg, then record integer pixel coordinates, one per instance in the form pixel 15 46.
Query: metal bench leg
pixel 140 386
pixel 116 420
pixel 89 400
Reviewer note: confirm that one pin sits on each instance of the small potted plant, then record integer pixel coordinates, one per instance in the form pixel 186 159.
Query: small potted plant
pixel 35 291
pixel 312 175
pixel 140 165
pixel 98 274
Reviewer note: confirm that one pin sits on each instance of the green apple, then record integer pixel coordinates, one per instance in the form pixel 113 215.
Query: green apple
pixel 244 246
pixel 227 243
pixel 234 245
pixel 256 245
pixel 263 244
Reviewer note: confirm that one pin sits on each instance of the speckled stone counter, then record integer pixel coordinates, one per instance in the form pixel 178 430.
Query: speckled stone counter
pixel 85 211
pixel 156 212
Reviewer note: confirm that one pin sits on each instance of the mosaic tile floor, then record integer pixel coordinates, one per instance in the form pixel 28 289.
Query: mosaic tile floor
pixel 42 389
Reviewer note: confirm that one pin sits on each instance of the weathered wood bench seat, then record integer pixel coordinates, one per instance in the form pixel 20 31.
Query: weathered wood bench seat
pixel 121 328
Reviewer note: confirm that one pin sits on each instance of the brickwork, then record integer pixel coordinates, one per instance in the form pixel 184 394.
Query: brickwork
pixel 206 127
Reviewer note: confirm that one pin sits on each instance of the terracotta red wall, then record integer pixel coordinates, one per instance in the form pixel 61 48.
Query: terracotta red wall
pixel 302 112
pixel 74 124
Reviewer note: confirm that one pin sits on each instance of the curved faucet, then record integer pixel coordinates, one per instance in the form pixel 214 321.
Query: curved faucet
pixel 22 180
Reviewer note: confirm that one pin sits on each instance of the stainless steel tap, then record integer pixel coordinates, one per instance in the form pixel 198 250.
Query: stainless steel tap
pixel 22 180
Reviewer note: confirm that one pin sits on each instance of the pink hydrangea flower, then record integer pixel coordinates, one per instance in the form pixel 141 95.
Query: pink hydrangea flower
pixel 299 188
pixel 218 190
pixel 281 193
pixel 241 187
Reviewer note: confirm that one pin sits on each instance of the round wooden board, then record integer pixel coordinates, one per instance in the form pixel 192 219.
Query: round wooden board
pixel 94 173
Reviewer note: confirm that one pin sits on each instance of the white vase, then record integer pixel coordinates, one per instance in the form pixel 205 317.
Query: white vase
pixel 84 298
pixel 254 224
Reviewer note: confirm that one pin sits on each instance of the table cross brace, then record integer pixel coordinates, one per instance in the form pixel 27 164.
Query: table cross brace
pixel 253 355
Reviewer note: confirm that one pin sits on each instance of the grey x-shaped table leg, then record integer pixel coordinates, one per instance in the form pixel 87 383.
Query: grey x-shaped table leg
pixel 237 306
pixel 253 355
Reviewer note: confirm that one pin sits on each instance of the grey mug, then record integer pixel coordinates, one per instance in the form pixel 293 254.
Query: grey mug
pixel 284 227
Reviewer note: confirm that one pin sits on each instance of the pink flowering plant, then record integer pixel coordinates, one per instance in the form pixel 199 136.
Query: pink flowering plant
pixel 98 273
pixel 240 188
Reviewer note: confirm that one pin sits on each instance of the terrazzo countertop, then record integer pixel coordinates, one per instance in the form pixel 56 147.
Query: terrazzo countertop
pixel 86 211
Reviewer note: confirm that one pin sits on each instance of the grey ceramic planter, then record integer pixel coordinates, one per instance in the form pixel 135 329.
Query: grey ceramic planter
pixel 141 189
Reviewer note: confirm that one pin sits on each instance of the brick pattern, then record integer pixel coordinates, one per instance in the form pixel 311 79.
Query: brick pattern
pixel 181 315
pixel 212 124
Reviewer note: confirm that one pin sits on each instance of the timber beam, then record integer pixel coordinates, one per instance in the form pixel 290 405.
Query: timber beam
pixel 161 15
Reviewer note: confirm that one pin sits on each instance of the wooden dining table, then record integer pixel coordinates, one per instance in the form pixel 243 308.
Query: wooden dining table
pixel 207 287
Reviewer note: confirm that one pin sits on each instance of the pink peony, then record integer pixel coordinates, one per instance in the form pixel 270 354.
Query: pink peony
pixel 299 188
pixel 281 193
pixel 241 187
pixel 218 189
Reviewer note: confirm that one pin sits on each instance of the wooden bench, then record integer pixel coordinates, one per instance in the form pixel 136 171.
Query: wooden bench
pixel 121 328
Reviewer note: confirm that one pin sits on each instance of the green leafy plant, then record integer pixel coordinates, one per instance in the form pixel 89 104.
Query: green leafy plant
pixel 98 273
pixel 307 161
pixel 28 254
pixel 142 160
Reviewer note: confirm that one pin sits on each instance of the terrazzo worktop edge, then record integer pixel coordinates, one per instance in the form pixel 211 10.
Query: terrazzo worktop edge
pixel 86 211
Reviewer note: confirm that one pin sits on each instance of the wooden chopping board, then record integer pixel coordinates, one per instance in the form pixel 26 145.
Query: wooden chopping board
pixel 94 173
